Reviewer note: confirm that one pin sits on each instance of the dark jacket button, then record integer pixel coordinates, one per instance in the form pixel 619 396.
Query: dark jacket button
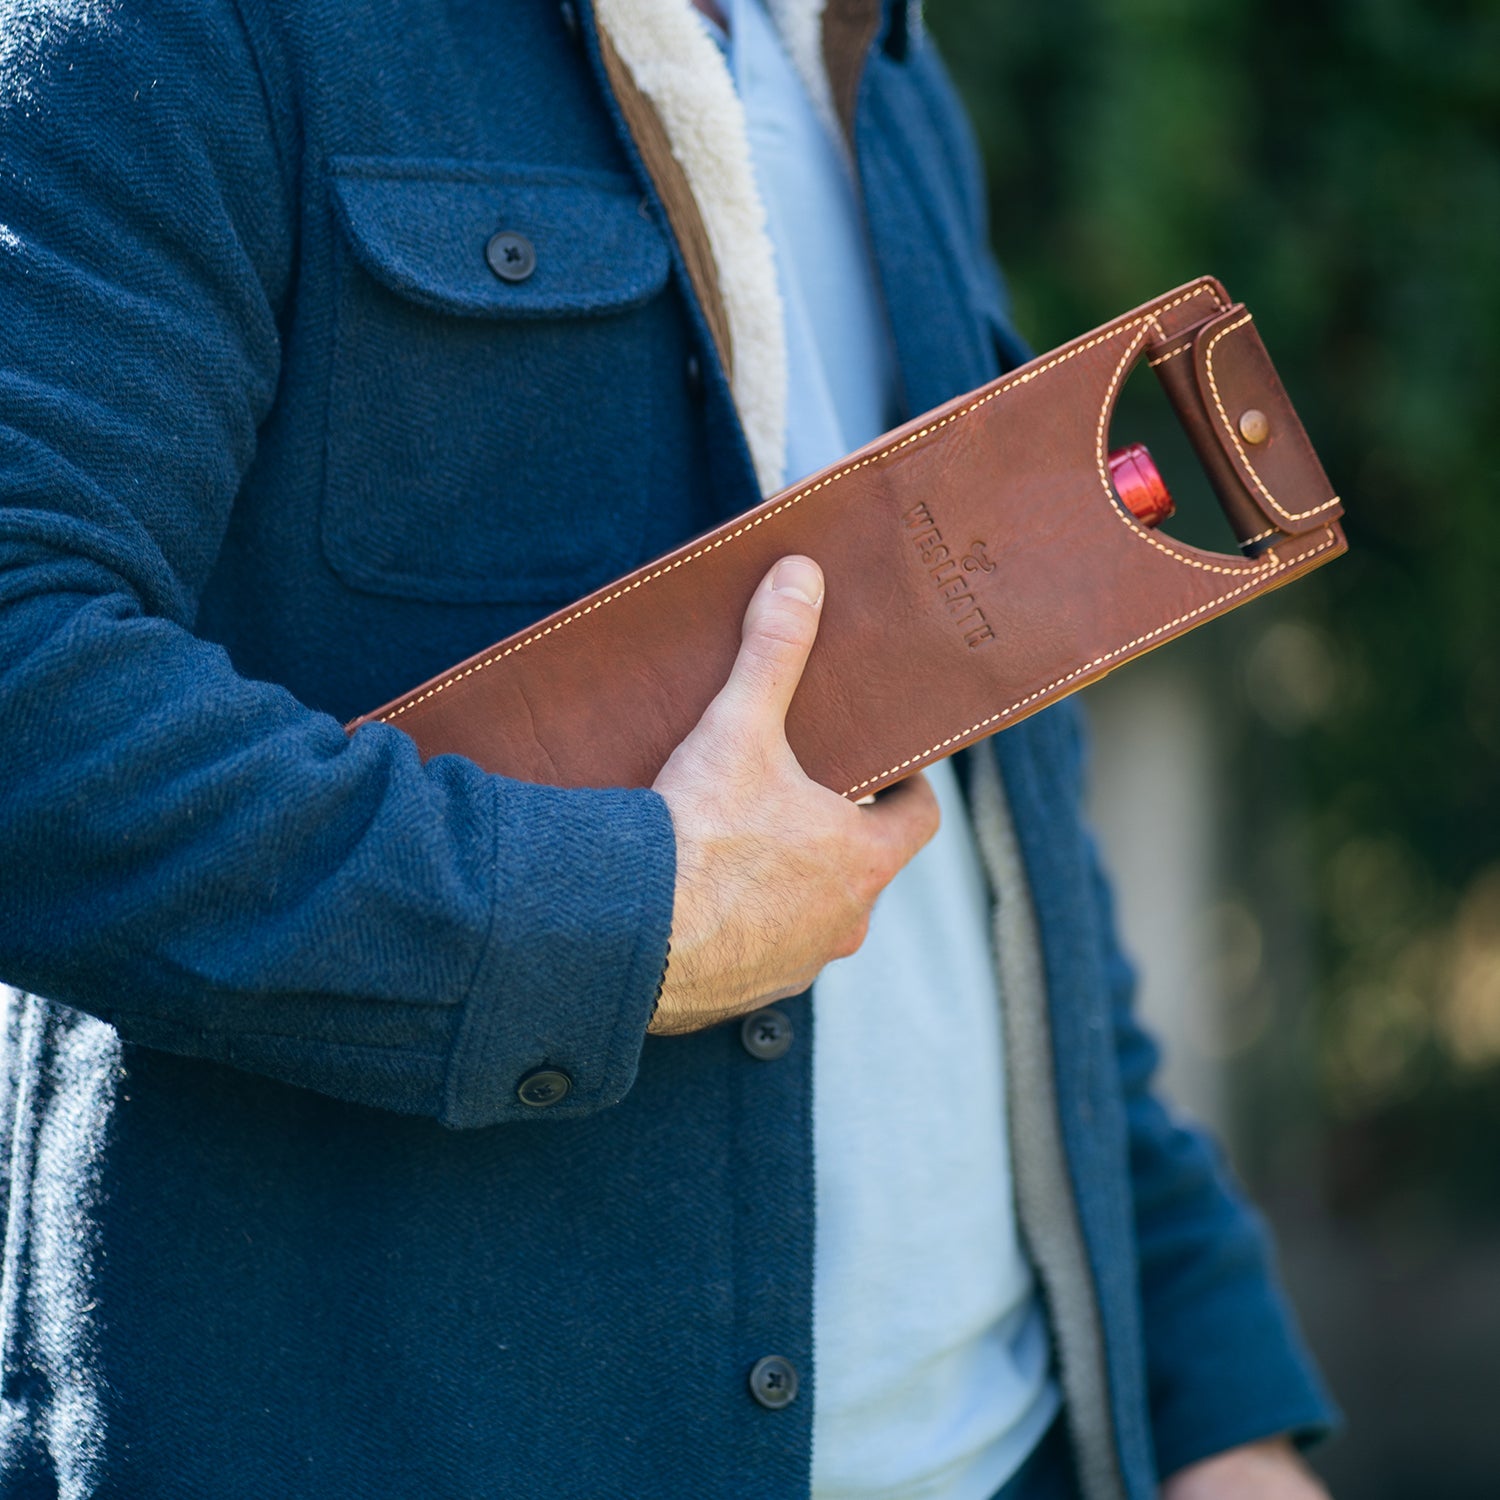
pixel 693 371
pixel 512 256
pixel 570 19
pixel 773 1382
pixel 767 1034
pixel 543 1087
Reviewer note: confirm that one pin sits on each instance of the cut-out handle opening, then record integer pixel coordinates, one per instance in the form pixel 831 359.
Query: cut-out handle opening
pixel 1157 475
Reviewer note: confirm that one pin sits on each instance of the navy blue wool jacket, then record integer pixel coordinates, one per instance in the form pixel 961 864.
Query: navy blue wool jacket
pixel 274 445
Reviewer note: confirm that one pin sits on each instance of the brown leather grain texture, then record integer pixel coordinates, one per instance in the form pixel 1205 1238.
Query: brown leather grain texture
pixel 978 568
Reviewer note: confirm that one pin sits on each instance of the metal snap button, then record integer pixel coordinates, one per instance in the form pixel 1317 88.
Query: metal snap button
pixel 511 256
pixel 1255 426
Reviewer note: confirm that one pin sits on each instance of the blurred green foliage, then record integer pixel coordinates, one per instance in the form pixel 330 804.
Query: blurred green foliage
pixel 1338 166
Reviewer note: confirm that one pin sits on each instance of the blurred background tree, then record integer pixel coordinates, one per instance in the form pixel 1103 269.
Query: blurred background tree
pixel 1338 166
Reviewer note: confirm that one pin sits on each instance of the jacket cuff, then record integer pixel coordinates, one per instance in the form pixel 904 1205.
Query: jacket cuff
pixel 553 1023
pixel 1240 1373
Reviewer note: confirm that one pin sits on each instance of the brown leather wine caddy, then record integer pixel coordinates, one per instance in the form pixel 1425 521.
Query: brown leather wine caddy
pixel 979 566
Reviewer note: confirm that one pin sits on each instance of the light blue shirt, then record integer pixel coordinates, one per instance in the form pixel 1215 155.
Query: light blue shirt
pixel 931 1349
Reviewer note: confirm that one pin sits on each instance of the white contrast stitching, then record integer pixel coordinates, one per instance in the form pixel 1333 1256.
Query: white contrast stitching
pixel 1198 289
pixel 1161 359
pixel 1136 529
pixel 1234 437
pixel 1141 640
pixel 1260 536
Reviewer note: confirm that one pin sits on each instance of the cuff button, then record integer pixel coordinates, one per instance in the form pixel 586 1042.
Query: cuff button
pixel 767 1034
pixel 543 1087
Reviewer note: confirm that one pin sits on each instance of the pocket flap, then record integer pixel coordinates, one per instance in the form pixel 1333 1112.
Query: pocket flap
pixel 420 228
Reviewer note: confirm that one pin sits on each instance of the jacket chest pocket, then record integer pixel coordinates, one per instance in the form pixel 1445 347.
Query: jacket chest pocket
pixel 498 342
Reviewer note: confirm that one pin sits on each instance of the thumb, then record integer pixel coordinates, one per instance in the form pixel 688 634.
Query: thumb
pixel 780 627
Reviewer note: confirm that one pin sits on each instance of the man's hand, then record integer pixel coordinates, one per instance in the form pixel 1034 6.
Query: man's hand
pixel 776 875
pixel 1257 1471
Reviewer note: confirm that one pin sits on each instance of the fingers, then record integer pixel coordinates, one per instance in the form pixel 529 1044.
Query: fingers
pixel 781 624
pixel 904 818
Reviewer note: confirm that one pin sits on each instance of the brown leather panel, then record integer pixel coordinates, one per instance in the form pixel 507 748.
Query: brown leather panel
pixel 849 27
pixel 676 196
pixel 978 568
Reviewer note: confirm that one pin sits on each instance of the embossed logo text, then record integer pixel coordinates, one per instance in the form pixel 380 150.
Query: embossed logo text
pixel 947 574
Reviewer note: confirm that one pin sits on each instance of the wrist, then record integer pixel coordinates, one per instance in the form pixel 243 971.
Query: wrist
pixel 1271 1469
pixel 661 984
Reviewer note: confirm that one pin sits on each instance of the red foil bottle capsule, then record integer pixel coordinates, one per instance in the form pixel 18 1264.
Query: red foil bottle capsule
pixel 1139 485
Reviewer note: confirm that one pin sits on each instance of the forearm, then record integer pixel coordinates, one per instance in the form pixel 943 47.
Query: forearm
pixel 199 857
pixel 220 871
